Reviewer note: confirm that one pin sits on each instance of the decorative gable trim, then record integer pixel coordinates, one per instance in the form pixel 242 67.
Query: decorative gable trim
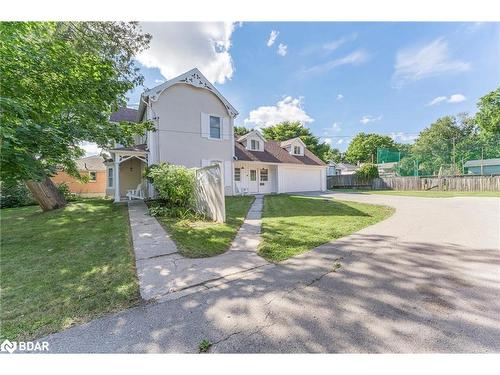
pixel 193 78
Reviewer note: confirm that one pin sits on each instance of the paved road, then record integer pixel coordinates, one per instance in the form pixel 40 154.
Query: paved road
pixel 425 280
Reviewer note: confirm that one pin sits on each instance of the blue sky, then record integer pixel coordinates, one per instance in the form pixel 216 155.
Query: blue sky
pixel 338 78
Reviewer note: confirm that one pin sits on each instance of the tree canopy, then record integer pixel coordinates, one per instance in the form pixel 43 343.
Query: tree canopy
pixel 488 115
pixel 240 130
pixel 60 82
pixel 363 147
pixel 287 130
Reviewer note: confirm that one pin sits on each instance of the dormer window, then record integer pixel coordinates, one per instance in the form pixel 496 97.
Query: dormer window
pixel 297 150
pixel 254 145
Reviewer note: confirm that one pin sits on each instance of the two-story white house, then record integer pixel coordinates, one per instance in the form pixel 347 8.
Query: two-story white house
pixel 195 127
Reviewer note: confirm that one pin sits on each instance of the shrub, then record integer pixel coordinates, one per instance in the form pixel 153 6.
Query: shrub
pixel 15 195
pixel 65 192
pixel 367 172
pixel 175 184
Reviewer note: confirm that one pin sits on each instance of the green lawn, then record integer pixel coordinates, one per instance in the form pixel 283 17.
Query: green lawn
pixel 295 224
pixel 424 193
pixel 63 267
pixel 197 239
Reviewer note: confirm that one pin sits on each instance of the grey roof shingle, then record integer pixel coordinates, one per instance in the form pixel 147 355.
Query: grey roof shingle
pixel 125 114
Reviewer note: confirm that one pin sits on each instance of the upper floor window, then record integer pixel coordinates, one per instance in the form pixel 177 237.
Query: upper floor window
pixel 254 144
pixel 296 150
pixel 93 176
pixel 215 127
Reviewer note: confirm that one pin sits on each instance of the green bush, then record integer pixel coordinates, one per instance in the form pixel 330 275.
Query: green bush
pixel 175 184
pixel 367 172
pixel 65 192
pixel 15 195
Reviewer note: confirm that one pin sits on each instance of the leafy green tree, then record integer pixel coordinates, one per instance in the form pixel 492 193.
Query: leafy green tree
pixel 363 147
pixel 287 130
pixel 488 115
pixel 60 82
pixel 240 130
pixel 332 155
pixel 367 172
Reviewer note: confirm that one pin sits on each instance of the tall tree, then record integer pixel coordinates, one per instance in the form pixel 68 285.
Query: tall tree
pixel 287 130
pixel 60 82
pixel 363 147
pixel 240 130
pixel 488 115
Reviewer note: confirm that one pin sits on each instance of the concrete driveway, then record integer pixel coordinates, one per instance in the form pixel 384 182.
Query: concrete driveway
pixel 425 280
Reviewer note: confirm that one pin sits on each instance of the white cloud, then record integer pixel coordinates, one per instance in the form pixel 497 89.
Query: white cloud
pixel 354 58
pixel 282 49
pixel 90 148
pixel 368 118
pixel 416 63
pixel 328 141
pixel 287 109
pixel 437 100
pixel 455 98
pixel 177 47
pixel 272 37
pixel 340 141
pixel 403 137
pixel 332 46
pixel 335 128
pixel 340 97
pixel 159 80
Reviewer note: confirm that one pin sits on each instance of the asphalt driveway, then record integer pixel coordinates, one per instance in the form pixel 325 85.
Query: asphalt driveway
pixel 425 280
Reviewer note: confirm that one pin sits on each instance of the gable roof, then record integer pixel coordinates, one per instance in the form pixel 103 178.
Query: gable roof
pixel 125 114
pixel 91 163
pixel 251 132
pixel 292 140
pixel 483 162
pixel 275 153
pixel 194 78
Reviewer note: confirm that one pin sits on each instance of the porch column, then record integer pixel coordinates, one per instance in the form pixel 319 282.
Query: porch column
pixel 117 179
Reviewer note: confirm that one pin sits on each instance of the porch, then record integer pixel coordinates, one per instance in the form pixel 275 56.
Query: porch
pixel 255 178
pixel 125 173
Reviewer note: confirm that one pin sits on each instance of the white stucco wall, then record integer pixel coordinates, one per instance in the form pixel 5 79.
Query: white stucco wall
pixel 178 119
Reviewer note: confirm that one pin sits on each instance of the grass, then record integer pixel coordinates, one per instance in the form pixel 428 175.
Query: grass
pixel 63 267
pixel 198 239
pixel 292 225
pixel 425 193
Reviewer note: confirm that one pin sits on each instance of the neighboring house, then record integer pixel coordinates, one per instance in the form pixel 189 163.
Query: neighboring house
pixel 91 166
pixel 343 168
pixel 483 167
pixel 195 127
pixel 331 169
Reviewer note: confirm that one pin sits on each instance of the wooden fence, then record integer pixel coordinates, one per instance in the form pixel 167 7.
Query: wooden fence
pixel 457 183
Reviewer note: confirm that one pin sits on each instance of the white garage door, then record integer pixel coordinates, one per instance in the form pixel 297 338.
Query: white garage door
pixel 299 179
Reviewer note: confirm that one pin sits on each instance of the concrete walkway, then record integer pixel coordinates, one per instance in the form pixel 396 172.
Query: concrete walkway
pixel 165 274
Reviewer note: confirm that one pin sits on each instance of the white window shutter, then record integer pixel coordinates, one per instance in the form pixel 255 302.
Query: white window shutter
pixel 226 128
pixel 228 169
pixel 204 124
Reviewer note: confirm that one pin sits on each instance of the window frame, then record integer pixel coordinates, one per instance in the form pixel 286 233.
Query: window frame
pixel 256 142
pixel 239 174
pixel 210 126
pixel 250 177
pixel 111 177
pixel 94 173
pixel 266 175
pixel 295 148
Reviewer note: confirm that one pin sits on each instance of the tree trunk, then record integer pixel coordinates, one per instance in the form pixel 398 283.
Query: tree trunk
pixel 46 194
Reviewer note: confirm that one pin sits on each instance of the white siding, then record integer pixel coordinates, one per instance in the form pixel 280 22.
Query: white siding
pixel 295 179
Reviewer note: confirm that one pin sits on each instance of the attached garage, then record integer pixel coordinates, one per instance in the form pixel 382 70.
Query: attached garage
pixel 295 179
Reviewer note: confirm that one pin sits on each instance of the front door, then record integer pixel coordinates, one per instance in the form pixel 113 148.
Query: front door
pixel 253 184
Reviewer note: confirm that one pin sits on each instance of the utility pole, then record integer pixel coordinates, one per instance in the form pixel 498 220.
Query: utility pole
pixel 453 157
pixel 482 157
